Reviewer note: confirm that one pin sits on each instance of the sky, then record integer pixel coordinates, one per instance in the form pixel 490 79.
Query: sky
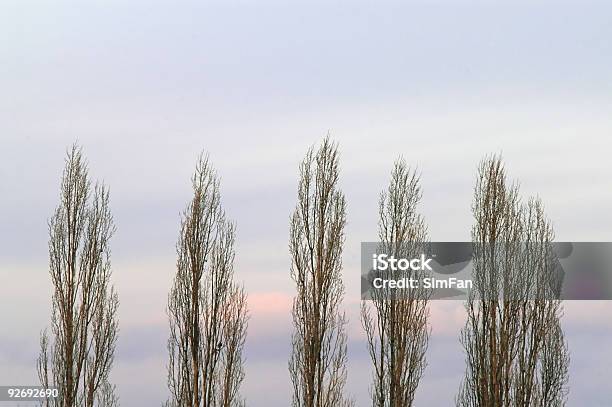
pixel 144 87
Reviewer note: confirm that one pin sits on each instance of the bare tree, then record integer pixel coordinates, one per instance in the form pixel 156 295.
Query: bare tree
pixel 78 355
pixel 207 309
pixel 395 321
pixel 515 349
pixel 318 360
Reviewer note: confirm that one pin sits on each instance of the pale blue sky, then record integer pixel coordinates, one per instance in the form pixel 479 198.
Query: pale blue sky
pixel 146 86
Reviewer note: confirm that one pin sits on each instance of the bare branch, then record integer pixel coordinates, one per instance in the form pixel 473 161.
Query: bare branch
pixel 516 354
pixel 395 321
pixel 84 323
pixel 207 310
pixel 318 360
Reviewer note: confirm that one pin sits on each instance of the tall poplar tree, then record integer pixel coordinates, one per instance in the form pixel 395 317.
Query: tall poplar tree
pixel 78 354
pixel 516 354
pixel 318 360
pixel 207 309
pixel 395 321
